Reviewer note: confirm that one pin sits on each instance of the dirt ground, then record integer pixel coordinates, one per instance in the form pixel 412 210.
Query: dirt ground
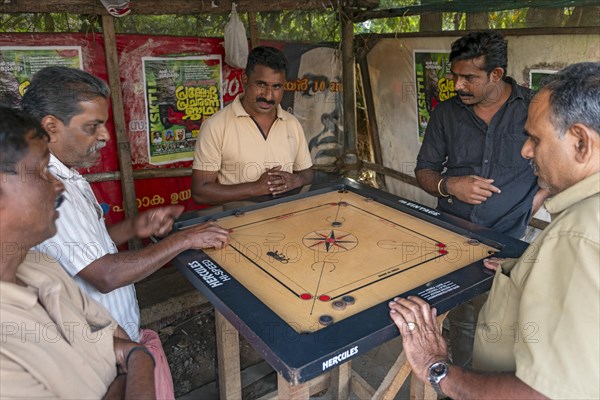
pixel 190 346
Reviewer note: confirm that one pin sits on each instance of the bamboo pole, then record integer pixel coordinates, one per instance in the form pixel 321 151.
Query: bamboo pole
pixel 123 148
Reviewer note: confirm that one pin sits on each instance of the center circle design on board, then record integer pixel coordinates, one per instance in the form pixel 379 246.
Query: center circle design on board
pixel 330 241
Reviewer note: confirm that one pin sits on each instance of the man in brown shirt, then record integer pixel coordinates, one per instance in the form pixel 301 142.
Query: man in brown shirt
pixel 537 335
pixel 56 341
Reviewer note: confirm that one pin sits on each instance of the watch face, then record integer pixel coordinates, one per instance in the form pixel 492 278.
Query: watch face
pixel 437 372
pixel 438 369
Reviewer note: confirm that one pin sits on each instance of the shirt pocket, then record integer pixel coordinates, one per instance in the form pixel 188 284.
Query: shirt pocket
pixel 495 336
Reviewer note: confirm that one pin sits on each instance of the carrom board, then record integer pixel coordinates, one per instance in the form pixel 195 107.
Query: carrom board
pixel 291 261
pixel 318 260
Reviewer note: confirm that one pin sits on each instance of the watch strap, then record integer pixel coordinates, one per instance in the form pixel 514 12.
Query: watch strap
pixel 435 379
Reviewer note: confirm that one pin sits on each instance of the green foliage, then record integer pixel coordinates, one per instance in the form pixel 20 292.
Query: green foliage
pixel 389 25
pixel 295 25
pixel 299 26
pixel 508 19
pixel 454 21
pixel 206 25
pixel 36 22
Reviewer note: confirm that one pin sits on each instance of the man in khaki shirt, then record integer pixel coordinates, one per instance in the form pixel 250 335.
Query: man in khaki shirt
pixel 252 147
pixel 56 341
pixel 538 332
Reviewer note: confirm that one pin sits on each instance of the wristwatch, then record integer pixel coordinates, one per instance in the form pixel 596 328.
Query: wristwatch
pixel 437 372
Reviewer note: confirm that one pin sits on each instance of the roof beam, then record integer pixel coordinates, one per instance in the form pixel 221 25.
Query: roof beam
pixel 180 7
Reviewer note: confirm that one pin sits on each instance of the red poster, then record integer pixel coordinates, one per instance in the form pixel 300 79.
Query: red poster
pixel 131 48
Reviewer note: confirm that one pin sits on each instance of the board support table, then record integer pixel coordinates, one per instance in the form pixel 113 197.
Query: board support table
pixel 341 381
pixel 306 279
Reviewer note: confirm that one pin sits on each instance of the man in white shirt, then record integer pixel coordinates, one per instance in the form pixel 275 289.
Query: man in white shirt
pixel 72 106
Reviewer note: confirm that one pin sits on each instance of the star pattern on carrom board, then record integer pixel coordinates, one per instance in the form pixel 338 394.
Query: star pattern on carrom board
pixel 330 240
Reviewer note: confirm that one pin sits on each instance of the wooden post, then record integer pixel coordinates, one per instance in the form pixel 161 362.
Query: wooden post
pixel 430 21
pixel 420 390
pixel 340 381
pixel 367 92
pixel 476 21
pixel 116 97
pixel 394 379
pixel 349 86
pixel 254 33
pixel 228 358
pixel 287 391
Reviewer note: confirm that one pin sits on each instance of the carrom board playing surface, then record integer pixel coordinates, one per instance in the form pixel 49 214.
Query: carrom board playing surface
pixel 318 260
pixel 291 258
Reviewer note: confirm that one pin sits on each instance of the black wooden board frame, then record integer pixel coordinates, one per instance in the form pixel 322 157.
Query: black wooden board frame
pixel 300 357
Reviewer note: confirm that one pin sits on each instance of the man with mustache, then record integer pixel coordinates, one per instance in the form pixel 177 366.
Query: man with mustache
pixel 252 147
pixel 537 335
pixel 72 107
pixel 56 341
pixel 470 157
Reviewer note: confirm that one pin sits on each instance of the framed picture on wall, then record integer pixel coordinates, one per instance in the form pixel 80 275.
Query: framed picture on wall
pixel 536 76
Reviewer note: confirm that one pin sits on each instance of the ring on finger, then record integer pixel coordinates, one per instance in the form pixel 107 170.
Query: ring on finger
pixel 411 326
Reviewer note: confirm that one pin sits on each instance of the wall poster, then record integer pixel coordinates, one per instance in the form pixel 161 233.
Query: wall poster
pixel 19 63
pixel 180 93
pixel 434 84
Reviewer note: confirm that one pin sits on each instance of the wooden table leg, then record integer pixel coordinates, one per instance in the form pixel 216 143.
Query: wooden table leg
pixel 287 391
pixel 394 379
pixel 399 372
pixel 340 381
pixel 420 390
pixel 228 356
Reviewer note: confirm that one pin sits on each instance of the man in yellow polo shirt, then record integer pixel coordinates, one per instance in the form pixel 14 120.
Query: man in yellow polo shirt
pixel 537 335
pixel 252 147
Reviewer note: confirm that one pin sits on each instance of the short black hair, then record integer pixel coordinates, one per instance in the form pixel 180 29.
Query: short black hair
pixel 489 43
pixel 574 96
pixel 58 91
pixel 15 127
pixel 267 56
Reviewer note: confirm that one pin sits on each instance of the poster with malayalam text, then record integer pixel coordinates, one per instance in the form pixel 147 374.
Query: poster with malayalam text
pixel 180 93
pixel 19 63
pixel 434 84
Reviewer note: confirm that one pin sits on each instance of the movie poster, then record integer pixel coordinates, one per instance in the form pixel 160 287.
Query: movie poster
pixel 434 84
pixel 19 63
pixel 313 93
pixel 536 76
pixel 180 93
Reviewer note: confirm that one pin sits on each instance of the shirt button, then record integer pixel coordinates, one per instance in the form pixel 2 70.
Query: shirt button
pixel 449 200
pixel 485 161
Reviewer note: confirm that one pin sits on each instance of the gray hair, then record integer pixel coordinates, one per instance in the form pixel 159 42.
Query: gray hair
pixel 575 96
pixel 58 91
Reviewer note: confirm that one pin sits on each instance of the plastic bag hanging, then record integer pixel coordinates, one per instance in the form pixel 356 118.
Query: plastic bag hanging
pixel 117 8
pixel 236 43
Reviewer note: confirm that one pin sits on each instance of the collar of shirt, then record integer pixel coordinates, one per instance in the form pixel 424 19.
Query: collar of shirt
pixel 17 295
pixel 579 191
pixel 62 171
pixel 75 178
pixel 239 110
pixel 517 92
pixel 38 285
